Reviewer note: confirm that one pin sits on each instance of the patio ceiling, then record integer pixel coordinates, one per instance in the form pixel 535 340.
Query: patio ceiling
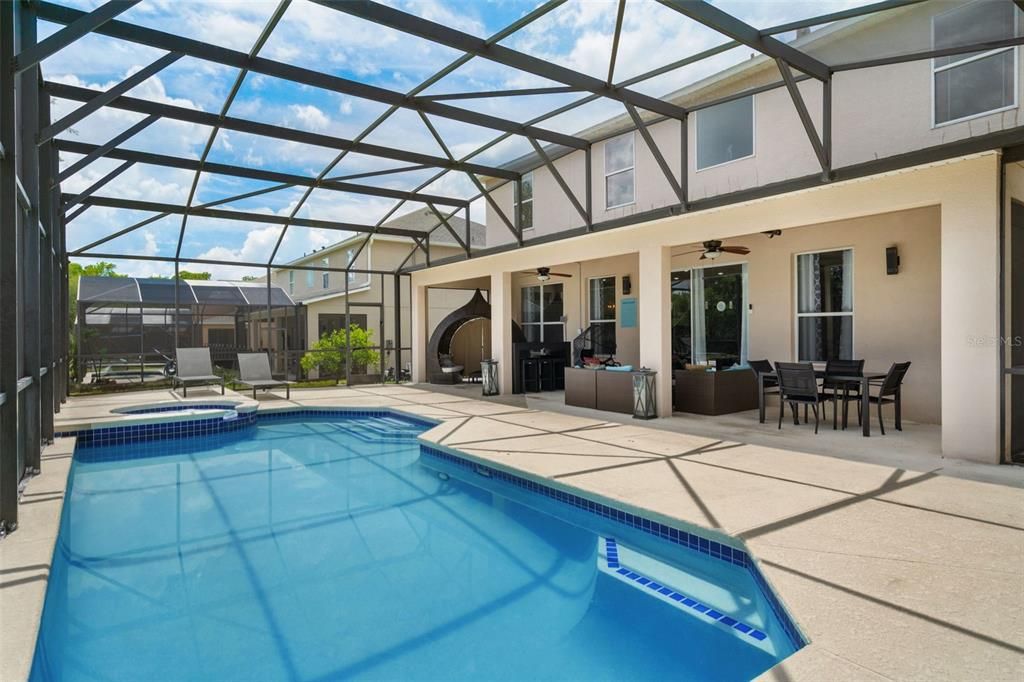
pixel 495 105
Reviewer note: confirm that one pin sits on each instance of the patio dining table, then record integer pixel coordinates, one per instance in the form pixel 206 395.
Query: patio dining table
pixel 865 399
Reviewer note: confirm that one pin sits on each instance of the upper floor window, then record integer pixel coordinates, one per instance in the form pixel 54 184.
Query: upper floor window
pixel 976 83
pixel 325 278
pixel 310 278
pixel 349 257
pixel 725 132
pixel 619 178
pixel 524 202
pixel 824 312
pixel 291 281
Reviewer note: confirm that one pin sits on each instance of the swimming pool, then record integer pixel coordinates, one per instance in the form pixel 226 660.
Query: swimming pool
pixel 316 547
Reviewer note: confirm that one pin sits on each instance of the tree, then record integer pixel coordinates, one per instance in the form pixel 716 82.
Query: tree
pixel 75 272
pixel 329 353
pixel 185 274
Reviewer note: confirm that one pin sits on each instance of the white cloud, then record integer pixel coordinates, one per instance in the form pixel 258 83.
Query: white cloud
pixel 310 116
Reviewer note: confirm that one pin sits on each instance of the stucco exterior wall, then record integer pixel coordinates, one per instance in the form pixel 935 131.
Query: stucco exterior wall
pixel 966 191
pixel 896 317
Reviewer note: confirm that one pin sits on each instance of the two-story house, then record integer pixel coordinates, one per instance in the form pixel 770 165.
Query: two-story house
pixel 368 299
pixel 900 254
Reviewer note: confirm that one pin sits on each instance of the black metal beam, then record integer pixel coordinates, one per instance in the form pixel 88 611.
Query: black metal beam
pixel 243 216
pixel 220 55
pixel 177 113
pixel 54 129
pixel 254 173
pixel 931 54
pixel 805 117
pixel 615 42
pixel 516 92
pixel 652 146
pixel 838 16
pixel 470 44
pixel 96 186
pixel 241 264
pixel 158 216
pixel 104 148
pixel 566 190
pixel 726 24
pixel 87 23
pixel 451 230
pixel 377 173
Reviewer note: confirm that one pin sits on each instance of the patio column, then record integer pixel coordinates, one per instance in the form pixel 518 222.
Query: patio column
pixel 500 298
pixel 419 317
pixel 656 319
pixel 969 323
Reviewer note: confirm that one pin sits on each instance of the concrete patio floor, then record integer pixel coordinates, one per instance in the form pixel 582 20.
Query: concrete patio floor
pixel 896 563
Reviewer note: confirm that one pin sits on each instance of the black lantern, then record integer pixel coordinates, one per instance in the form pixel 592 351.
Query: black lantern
pixel 645 402
pixel 489 376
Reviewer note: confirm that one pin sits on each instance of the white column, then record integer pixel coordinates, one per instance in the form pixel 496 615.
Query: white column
pixel 971 382
pixel 419 316
pixel 655 308
pixel 501 327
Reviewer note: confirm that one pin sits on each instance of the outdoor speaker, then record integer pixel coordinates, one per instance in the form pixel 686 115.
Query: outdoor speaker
pixel 892 261
pixel 627 286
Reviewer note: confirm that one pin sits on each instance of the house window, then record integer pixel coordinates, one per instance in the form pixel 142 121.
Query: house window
pixel 325 278
pixel 709 316
pixel 524 203
pixel 291 281
pixel 310 279
pixel 602 314
pixel 976 83
pixel 349 257
pixel 619 179
pixel 824 293
pixel 725 132
pixel 542 311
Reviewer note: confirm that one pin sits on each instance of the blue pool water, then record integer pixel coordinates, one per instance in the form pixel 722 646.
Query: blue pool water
pixel 322 548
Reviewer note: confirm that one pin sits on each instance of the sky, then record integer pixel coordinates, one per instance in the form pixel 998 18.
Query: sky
pixel 577 35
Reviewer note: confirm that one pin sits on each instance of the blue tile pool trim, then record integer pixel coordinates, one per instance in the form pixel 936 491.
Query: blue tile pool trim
pixel 712 548
pixel 180 407
pixel 204 426
pixel 612 561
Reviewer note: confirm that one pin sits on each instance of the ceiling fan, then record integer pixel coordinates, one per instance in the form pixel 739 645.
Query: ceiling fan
pixel 544 274
pixel 713 249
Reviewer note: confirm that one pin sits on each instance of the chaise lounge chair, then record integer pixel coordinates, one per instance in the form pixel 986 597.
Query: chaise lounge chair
pixel 195 367
pixel 254 371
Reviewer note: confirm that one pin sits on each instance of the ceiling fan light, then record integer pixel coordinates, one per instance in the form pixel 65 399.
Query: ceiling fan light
pixel 713 254
pixel 543 277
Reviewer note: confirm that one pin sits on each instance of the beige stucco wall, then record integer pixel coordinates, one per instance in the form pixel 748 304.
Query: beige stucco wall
pixel 966 191
pixel 896 318
pixel 876 113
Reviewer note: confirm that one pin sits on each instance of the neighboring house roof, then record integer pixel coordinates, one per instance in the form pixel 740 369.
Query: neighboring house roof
pixel 421 220
pixel 158 292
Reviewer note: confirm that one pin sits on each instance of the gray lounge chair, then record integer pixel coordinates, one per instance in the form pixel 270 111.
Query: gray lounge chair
pixel 254 370
pixel 195 367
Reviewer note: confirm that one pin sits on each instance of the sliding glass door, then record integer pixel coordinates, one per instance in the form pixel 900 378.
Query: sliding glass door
pixel 709 320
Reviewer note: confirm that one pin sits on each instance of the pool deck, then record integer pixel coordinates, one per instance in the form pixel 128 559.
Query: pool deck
pixel 891 572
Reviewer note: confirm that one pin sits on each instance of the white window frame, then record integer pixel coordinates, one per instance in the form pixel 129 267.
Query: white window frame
pixel 796 300
pixel 325 277
pixel 630 169
pixel 310 279
pixel 541 323
pixel 291 282
pixel 349 259
pixel 936 70
pixel 516 202
pixel 753 138
pixel 615 293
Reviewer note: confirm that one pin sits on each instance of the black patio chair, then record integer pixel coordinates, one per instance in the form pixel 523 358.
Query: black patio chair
pixel 771 384
pixel 890 391
pixel 798 385
pixel 850 390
